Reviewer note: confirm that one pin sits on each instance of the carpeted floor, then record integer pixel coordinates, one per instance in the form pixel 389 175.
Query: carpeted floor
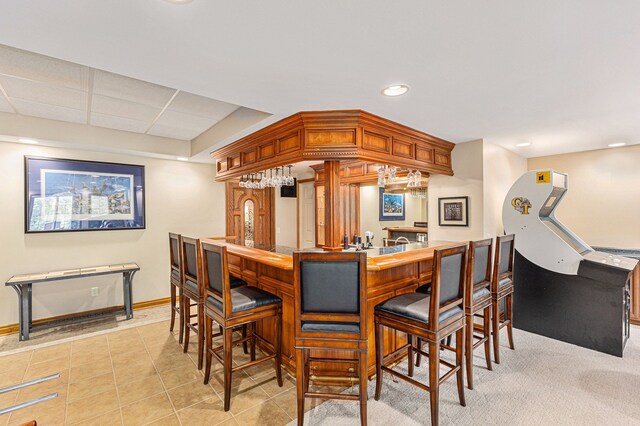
pixel 542 382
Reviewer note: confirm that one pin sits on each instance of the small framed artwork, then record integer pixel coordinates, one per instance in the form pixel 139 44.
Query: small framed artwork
pixel 453 211
pixel 74 195
pixel 391 206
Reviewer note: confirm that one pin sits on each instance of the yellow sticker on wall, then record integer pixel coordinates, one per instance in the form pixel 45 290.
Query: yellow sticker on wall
pixel 543 177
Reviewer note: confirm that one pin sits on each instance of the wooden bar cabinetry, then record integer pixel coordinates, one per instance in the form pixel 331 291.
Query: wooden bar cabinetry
pixel 387 276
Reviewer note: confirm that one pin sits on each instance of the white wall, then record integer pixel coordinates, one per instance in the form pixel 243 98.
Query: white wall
pixel 180 197
pixel 467 164
pixel 501 168
pixel 369 213
pixel 602 205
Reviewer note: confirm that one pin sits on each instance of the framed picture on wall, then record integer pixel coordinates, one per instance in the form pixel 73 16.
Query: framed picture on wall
pixel 453 211
pixel 74 195
pixel 391 206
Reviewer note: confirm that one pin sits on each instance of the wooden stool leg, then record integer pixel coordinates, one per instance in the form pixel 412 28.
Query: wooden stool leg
pixel 410 354
pixel 278 347
pixel 379 356
pixel 419 356
pixel 245 346
pixel 495 320
pixel 173 306
pixel 200 335
pixel 486 329
pixel 251 331
pixel 185 321
pixel 181 312
pixel 434 379
pixel 228 365
pixel 468 341
pixel 509 315
pixel 363 364
pixel 300 384
pixel 208 332
pixel 460 363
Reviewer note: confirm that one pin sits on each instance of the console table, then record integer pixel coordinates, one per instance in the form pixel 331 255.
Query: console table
pixel 22 285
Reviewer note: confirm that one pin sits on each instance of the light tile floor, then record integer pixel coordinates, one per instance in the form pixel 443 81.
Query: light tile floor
pixel 140 376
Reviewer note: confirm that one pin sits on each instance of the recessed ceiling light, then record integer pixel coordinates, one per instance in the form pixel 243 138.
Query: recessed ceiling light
pixel 395 90
pixel 179 1
pixel 28 141
pixel 182 159
pixel 523 144
pixel 615 145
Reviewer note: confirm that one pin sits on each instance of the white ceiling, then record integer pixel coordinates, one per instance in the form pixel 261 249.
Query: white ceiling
pixel 41 86
pixel 563 75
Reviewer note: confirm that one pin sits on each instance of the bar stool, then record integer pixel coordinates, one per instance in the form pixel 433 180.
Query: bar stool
pixel 431 318
pixel 478 300
pixel 192 290
pixel 175 281
pixel 232 308
pixel 330 314
pixel 502 288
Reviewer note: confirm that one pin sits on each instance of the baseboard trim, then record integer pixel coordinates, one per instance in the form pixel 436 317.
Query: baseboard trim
pixel 13 328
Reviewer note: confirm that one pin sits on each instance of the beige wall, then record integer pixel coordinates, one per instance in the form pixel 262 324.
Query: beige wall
pixel 466 160
pixel 602 205
pixel 180 197
pixel 286 220
pixel 501 168
pixel 369 214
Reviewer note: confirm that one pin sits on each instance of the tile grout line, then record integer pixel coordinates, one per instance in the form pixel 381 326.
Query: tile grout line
pixel 66 405
pixel 21 381
pixel 115 383
pixel 146 348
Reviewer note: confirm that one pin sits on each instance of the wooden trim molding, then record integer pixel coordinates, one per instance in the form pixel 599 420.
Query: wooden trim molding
pixel 334 136
pixel 13 328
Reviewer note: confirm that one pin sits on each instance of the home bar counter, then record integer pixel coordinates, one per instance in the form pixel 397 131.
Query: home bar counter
pixel 390 271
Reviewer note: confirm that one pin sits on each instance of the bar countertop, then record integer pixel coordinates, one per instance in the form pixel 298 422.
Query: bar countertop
pixel 378 258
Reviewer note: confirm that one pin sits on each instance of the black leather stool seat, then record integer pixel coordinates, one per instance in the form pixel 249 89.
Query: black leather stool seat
pixel 415 306
pixel 424 289
pixel 480 294
pixel 236 282
pixel 191 286
pixel 504 281
pixel 246 297
pixel 331 327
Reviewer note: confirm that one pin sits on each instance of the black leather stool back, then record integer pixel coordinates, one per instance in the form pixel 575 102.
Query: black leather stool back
pixel 174 255
pixel 503 271
pixel 479 269
pixel 216 275
pixel 330 292
pixel 447 287
pixel 192 267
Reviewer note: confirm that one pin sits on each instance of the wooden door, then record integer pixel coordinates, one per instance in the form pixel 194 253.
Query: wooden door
pixel 251 214
pixel 307 215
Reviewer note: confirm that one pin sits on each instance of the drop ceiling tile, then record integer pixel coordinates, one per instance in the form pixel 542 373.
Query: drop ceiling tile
pixel 51 112
pixel 125 109
pixel 4 105
pixel 189 103
pixel 130 89
pixel 43 93
pixel 181 120
pixel 33 66
pixel 173 132
pixel 118 123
